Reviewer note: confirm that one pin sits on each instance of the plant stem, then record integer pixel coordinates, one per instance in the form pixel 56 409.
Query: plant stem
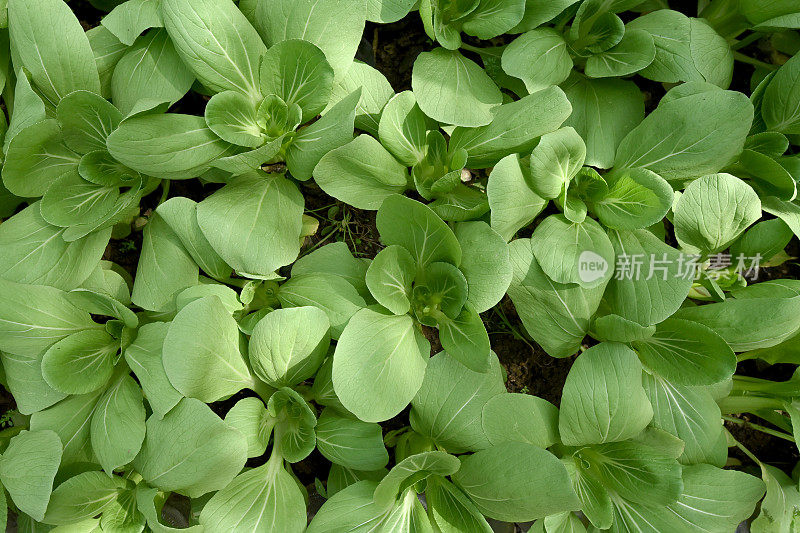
pixel 759 427
pixel 513 330
pixel 748 404
pixel 750 39
pixel 164 191
pixel 741 446
pixel 738 56
pixel 476 49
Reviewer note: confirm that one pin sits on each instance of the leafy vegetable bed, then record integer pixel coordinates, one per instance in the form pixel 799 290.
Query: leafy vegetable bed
pixel 473 266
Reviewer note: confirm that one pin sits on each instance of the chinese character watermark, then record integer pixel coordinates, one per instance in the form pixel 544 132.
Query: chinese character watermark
pixel 666 266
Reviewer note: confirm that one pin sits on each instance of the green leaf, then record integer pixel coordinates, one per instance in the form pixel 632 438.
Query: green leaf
pixel 150 70
pixel 130 19
pixel 165 268
pixel 513 203
pixel 33 317
pixel 36 158
pixel 81 362
pixel 294 436
pixel 403 128
pixel 249 416
pixel 72 200
pixel 34 252
pixel 71 420
pixel 749 323
pixel 216 42
pixel 537 12
pixel 390 276
pixel 781 503
pixel 440 289
pixel 339 478
pixel 603 112
pixel 254 222
pixel 59 62
pixel 770 177
pixel 82 496
pixel 144 356
pixel 634 52
pixel 333 130
pixel 233 116
pixel 689 136
pixel 712 499
pixel 107 50
pixel 333 294
pixel 28 108
pixel 563 250
pixel 788 212
pixel 334 26
pixel 201 352
pixel 28 467
pixel 171 145
pixel 596 28
pixel 86 120
pixel 781 13
pixel 687 49
pixel 651 281
pixel 288 345
pixel 687 353
pixel 515 417
pixel 451 510
pixel 387 11
pixel 414 468
pixel 266 498
pixel 350 509
pixel 190 450
pixel 99 168
pixel 118 424
pixel 378 365
pixel 350 442
pixel 99 302
pixel 485 263
pixel 419 230
pixel 636 199
pixel 514 127
pixel 539 58
pixel 309 87
pixel 492 18
pixel 603 398
pixel 449 404
pixel 436 81
pixel 714 211
pixel 361 173
pixel 633 471
pixel 181 215
pixel 781 98
pixel 465 338
pixel 692 415
pixel 334 258
pixel 375 93
pixel 614 328
pixel 555 161
pixel 556 315
pixel 533 486
pixel 767 239
pixel 25 382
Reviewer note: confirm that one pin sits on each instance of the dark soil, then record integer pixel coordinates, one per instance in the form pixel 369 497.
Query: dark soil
pixel 395 47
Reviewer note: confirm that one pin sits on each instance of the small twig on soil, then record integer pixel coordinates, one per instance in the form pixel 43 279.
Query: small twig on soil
pixel 738 56
pixel 758 427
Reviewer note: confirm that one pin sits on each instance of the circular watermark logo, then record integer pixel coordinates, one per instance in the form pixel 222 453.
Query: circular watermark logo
pixel 591 266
